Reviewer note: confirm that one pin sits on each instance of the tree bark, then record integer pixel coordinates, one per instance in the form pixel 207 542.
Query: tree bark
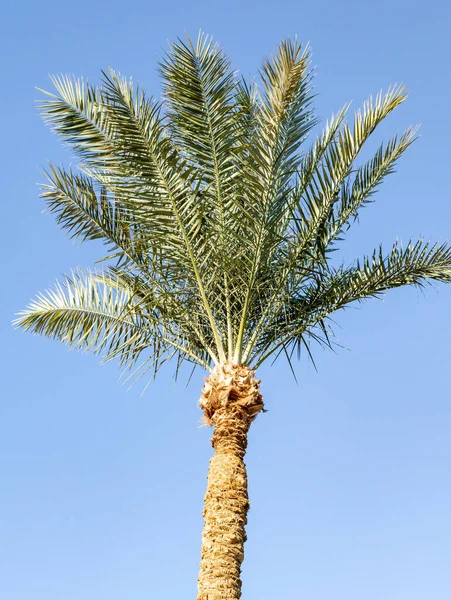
pixel 230 400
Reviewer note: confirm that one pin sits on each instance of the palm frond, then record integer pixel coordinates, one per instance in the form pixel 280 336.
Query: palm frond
pixel 283 118
pixel 90 215
pixel 309 221
pixel 138 123
pixel 358 188
pixel 77 113
pixel 102 314
pixel 199 88
pixel 286 115
pixel 145 174
pixel 316 196
pixel 86 313
pixel 284 259
pixel 415 264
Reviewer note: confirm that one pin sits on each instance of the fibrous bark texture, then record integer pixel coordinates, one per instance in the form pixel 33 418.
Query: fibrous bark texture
pixel 230 400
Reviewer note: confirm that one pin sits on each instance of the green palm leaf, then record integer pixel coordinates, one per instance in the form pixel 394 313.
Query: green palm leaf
pixel 304 314
pixel 90 215
pixel 105 314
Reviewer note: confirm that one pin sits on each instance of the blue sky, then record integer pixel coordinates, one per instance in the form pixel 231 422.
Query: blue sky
pixel 350 477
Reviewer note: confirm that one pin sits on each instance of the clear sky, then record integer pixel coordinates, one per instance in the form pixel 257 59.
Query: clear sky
pixel 350 476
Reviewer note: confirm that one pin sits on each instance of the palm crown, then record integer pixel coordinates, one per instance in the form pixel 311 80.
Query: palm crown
pixel 218 220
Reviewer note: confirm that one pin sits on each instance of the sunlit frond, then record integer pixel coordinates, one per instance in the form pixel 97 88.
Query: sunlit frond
pixel 90 215
pixel 103 313
pixel 87 313
pixel 358 188
pixel 304 314
pixel 316 197
pixel 282 119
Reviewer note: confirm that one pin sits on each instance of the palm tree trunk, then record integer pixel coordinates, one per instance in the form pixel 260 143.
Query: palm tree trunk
pixel 230 400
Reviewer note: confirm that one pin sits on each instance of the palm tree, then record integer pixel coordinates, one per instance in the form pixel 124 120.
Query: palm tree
pixel 219 225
